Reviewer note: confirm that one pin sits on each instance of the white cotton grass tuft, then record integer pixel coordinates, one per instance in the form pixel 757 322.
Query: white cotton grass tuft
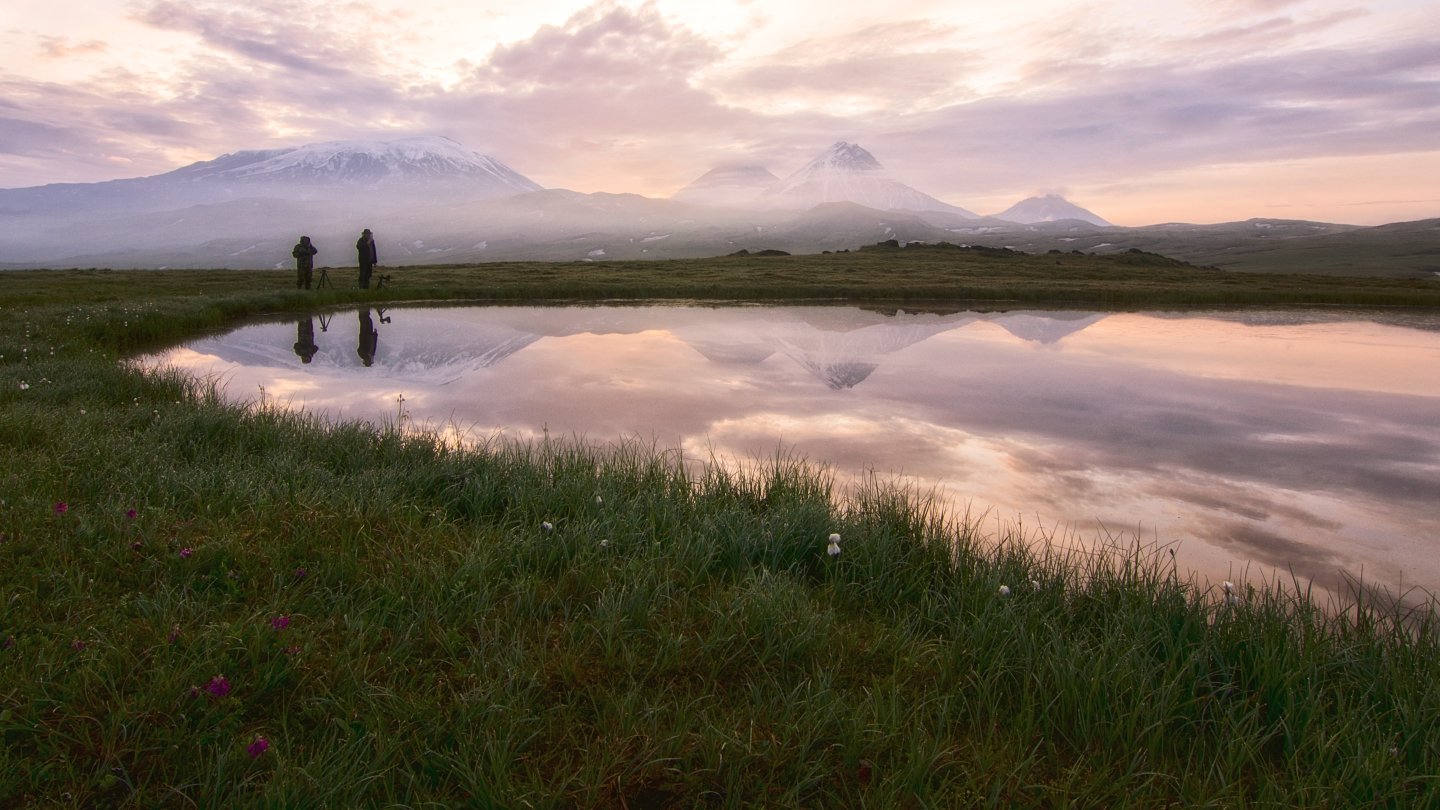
pixel 1004 591
pixel 599 500
pixel 835 538
pixel 547 526
pixel 1231 598
pixel 833 549
pixel 1034 584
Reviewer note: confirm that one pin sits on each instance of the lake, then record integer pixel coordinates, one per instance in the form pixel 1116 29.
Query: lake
pixel 1252 441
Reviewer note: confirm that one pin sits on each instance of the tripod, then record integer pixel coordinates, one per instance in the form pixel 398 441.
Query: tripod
pixel 324 280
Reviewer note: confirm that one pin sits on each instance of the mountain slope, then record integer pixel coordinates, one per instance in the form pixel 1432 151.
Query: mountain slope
pixel 728 186
pixel 1049 208
pixel 420 168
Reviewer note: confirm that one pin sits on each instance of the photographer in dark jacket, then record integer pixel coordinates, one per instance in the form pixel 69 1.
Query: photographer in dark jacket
pixel 304 254
pixel 365 247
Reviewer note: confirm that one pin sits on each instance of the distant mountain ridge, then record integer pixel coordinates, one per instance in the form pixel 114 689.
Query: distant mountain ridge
pixel 730 186
pixel 1049 208
pixel 431 200
pixel 845 172
pixel 420 167
pixel 370 164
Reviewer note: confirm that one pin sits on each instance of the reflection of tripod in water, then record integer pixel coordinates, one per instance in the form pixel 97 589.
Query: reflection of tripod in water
pixel 324 280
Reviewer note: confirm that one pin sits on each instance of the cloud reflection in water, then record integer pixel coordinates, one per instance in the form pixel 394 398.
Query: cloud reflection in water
pixel 1296 440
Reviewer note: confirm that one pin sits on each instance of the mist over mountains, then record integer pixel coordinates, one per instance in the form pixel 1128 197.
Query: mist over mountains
pixel 430 200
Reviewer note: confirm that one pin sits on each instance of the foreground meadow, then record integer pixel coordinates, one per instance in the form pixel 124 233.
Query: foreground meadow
pixel 210 605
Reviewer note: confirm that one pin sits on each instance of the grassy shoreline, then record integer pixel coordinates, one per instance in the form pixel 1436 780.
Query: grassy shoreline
pixel 394 618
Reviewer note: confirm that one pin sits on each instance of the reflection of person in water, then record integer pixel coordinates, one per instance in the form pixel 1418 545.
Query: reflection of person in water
pixel 369 339
pixel 305 346
pixel 365 251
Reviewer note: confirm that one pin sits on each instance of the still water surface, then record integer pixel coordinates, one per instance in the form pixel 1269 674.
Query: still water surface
pixel 1304 441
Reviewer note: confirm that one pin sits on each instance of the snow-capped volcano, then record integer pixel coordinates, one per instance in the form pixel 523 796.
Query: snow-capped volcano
pixel 731 186
pixel 368 164
pixel 1048 208
pixel 409 169
pixel 847 173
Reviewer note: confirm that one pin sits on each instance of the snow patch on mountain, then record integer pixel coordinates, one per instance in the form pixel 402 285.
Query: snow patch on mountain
pixel 367 163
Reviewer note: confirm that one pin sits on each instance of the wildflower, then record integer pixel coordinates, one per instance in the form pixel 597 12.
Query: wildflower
pixel 260 746
pixel 301 573
pixel 24 386
pixel 833 549
pixel 82 411
pixel 136 546
pixel 77 645
pixel 604 542
pixel 186 552
pixel 1227 586
pixel 835 538
pixel 131 514
pixel 1004 591
pixel 218 686
pixel 174 634
pixel 280 622
pixel 61 507
pixel 547 526
pixel 1035 584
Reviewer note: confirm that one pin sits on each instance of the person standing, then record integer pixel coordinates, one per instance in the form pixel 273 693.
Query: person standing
pixel 365 247
pixel 304 254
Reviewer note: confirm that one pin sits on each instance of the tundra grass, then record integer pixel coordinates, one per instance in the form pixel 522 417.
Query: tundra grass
pixel 203 604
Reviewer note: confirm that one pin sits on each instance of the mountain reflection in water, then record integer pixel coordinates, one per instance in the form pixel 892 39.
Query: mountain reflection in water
pixel 1307 441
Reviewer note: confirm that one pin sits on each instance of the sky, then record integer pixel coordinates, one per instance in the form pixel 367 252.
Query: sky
pixel 1143 111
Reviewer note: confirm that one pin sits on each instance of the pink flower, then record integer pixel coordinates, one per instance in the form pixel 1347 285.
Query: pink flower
pixel 260 746
pixel 131 514
pixel 186 552
pixel 136 546
pixel 77 645
pixel 174 634
pixel 301 573
pixel 61 507
pixel 280 622
pixel 218 686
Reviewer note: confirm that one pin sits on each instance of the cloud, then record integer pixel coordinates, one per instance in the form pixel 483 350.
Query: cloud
pixel 604 47
pixel 891 66
pixel 1132 121
pixel 620 97
pixel 63 47
pixel 304 39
